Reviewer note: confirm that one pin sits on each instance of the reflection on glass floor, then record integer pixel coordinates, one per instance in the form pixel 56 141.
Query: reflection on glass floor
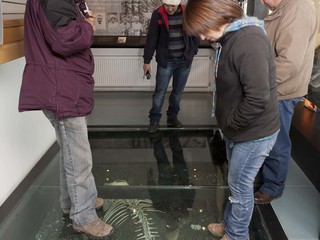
pixel 164 186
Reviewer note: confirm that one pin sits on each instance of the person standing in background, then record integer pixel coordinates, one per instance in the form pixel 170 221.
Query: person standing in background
pixel 292 29
pixel 57 79
pixel 136 26
pixel 113 26
pixel 246 101
pixel 125 26
pixel 174 55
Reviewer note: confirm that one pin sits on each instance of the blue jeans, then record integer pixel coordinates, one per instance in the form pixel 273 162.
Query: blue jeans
pixel 244 162
pixel 78 191
pixel 275 168
pixel 177 69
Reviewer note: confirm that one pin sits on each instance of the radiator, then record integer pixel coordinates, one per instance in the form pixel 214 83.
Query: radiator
pixel 116 71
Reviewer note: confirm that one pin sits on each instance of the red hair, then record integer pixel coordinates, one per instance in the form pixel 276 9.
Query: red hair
pixel 200 16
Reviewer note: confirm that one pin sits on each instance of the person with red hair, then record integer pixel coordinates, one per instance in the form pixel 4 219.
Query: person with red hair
pixel 245 100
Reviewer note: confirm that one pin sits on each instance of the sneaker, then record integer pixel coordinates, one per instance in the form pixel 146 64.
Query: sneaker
pixel 97 205
pixel 96 229
pixel 216 229
pixel 153 127
pixel 226 238
pixel 263 198
pixel 174 122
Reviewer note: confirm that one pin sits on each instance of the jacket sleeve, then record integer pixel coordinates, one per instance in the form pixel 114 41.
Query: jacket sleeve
pixel 292 43
pixel 251 59
pixel 152 38
pixel 196 42
pixel 65 33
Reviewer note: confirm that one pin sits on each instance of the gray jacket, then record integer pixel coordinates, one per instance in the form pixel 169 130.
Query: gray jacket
pixel 292 30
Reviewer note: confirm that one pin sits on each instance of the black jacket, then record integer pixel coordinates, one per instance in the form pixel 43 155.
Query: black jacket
pixel 158 40
pixel 246 86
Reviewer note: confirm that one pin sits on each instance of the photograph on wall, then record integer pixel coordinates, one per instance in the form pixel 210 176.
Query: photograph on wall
pixel 123 17
pixel 101 23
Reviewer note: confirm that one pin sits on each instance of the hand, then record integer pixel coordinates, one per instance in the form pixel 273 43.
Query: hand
pixel 91 20
pixel 146 68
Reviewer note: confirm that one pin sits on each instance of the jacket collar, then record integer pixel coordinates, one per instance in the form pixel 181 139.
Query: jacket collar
pixel 278 11
pixel 232 27
pixel 164 14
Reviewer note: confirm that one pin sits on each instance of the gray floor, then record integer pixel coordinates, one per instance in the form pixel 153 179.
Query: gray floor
pixel 38 217
pixel 168 185
pixel 298 210
pixel 132 109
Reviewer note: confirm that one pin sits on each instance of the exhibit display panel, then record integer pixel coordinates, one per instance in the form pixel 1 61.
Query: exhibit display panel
pixel 122 26
pixel 123 17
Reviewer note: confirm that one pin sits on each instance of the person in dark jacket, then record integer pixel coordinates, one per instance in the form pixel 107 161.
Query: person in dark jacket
pixel 246 100
pixel 174 54
pixel 57 79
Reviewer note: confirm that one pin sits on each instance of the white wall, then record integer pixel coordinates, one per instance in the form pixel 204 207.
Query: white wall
pixel 24 137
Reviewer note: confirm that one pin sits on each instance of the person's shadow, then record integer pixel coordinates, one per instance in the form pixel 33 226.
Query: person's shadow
pixel 175 202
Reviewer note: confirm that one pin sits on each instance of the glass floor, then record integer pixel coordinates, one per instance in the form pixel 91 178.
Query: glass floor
pixel 164 186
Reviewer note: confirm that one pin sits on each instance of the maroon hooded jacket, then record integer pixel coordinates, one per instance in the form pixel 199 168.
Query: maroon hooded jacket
pixel 59 62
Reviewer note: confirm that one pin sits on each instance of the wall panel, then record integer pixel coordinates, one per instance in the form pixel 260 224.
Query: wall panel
pixel 11 27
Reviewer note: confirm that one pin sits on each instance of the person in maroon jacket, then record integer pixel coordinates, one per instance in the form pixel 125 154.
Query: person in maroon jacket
pixel 58 80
